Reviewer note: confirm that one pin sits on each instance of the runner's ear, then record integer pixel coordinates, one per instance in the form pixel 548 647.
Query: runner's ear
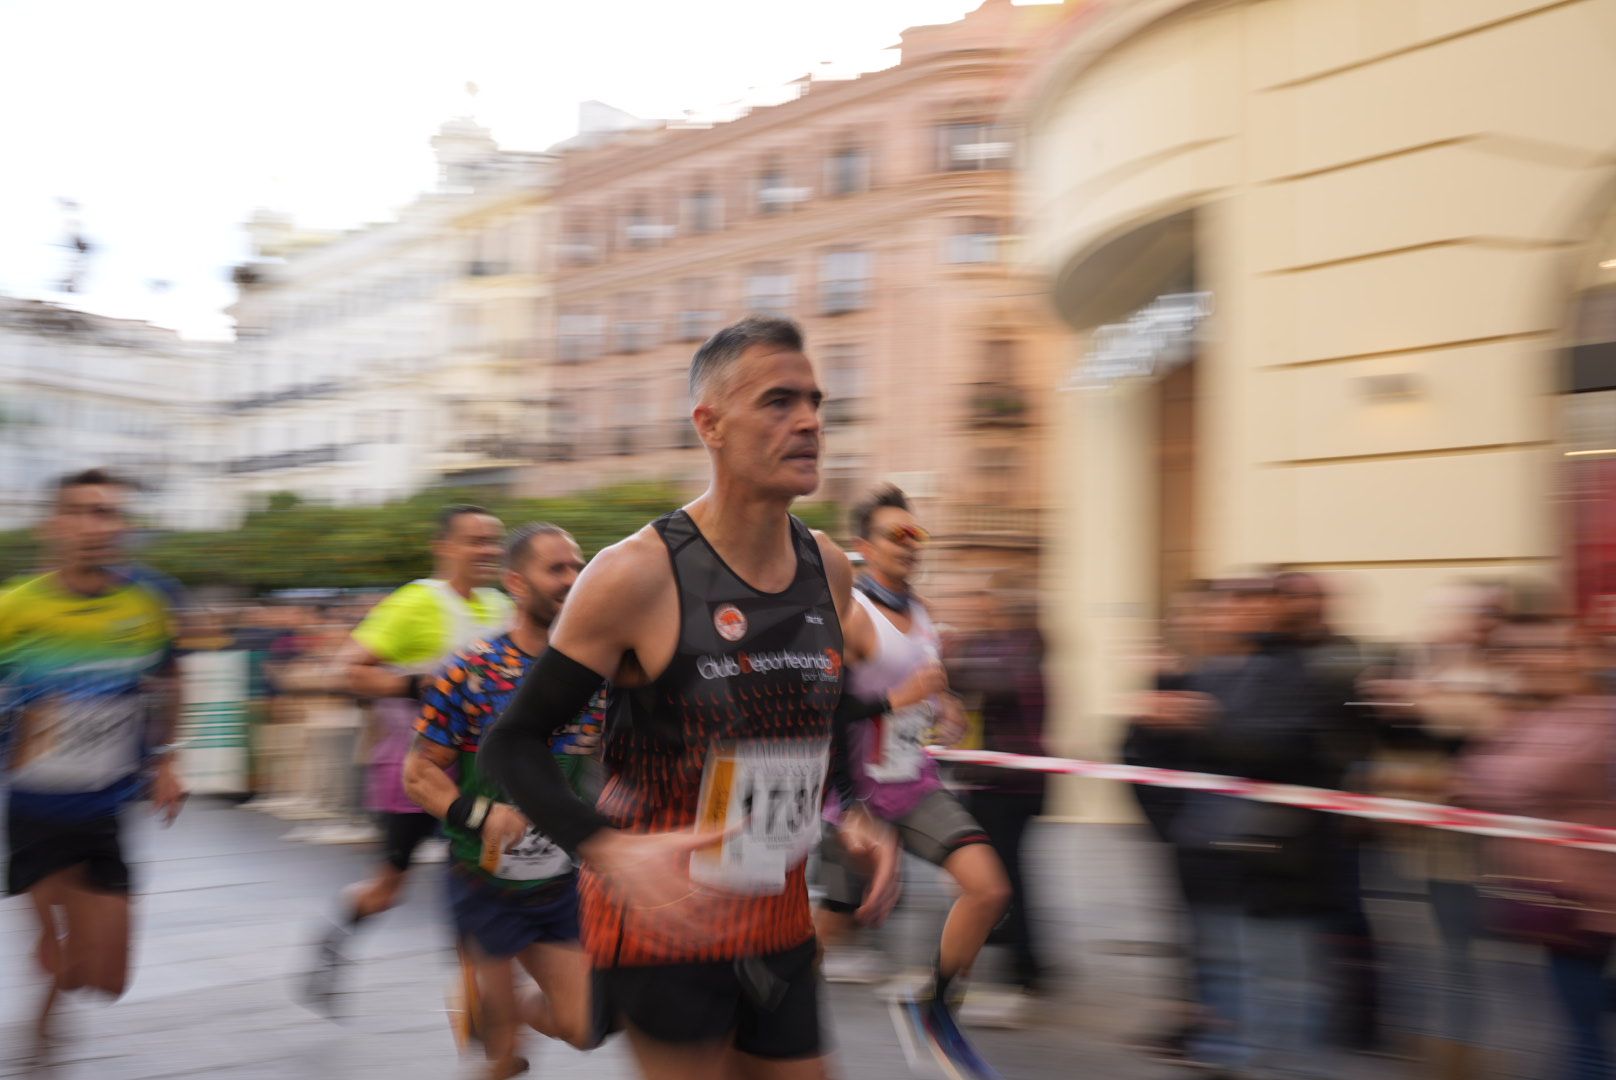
pixel 515 585
pixel 705 417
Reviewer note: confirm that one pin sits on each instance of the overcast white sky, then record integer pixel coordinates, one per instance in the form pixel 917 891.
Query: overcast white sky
pixel 169 121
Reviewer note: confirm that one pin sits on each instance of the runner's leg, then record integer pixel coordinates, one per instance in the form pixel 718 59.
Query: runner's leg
pixel 562 1007
pixel 47 897
pixel 683 1061
pixel 97 943
pixel 401 835
pixel 381 893
pixel 497 1015
pixel 940 831
pixel 984 894
pixel 1005 817
pixel 747 1067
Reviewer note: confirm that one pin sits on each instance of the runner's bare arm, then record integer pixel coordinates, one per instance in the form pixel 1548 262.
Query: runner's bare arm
pixel 168 791
pixel 839 572
pixel 426 776
pixel 162 690
pixel 860 832
pixel 428 784
pixel 610 613
pixel 858 635
pixel 366 676
pixel 623 604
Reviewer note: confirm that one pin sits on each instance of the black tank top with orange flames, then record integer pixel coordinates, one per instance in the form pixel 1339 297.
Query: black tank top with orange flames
pixel 750 667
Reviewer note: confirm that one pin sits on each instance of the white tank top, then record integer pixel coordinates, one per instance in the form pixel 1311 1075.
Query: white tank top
pixel 898 655
pixel 891 768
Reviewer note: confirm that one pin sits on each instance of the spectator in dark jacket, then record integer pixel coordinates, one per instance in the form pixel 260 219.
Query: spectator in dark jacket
pixel 1191 635
pixel 1261 713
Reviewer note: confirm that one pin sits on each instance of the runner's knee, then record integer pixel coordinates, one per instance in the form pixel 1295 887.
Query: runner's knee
pixel 980 875
pixel 994 887
pixel 386 891
pixel 579 1034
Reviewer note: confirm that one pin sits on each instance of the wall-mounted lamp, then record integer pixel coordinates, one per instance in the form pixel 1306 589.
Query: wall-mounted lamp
pixel 1381 389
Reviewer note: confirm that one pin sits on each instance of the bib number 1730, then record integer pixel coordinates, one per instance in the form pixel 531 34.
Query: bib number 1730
pixel 765 800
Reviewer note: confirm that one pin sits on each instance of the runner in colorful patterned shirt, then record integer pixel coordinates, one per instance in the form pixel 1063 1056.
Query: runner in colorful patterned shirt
pixel 513 892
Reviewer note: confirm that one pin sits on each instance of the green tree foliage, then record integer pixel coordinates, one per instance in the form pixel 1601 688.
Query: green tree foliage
pixel 298 545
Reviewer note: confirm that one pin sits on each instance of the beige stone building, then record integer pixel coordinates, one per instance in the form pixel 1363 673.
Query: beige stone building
pixel 500 321
pixel 399 355
pixel 1344 272
pixel 876 211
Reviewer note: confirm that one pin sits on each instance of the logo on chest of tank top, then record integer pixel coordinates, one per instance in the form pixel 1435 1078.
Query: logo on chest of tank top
pixel 729 622
pixel 824 666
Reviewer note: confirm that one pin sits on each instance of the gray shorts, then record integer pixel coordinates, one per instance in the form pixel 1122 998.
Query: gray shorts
pixel 937 827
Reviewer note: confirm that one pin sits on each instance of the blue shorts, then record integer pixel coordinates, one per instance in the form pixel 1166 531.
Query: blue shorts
pixel 503 922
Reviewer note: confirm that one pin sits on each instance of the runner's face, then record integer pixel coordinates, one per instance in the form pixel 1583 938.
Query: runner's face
pixel 541 585
pixel 472 549
pixel 893 547
pixel 765 427
pixel 88 526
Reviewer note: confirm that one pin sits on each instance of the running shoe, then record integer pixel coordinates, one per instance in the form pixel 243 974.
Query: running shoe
pixel 322 986
pixel 929 1033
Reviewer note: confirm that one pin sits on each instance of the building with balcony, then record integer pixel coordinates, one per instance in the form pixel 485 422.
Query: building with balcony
pixel 397 356
pixel 87 391
pixel 876 211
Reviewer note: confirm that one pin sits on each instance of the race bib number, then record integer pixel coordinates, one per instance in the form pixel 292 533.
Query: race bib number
pixel 535 857
pixel 900 745
pixel 767 799
pixel 76 745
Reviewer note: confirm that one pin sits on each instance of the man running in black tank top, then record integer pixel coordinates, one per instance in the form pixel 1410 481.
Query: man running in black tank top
pixel 719 627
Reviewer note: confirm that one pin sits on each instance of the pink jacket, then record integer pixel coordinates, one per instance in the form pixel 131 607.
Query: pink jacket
pixel 1559 763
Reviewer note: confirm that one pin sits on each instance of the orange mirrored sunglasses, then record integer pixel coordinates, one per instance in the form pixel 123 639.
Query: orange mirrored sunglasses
pixel 897 534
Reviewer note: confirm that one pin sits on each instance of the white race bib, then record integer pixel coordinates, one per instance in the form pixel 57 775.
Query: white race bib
pixel 76 745
pixel 900 744
pixel 535 857
pixel 767 797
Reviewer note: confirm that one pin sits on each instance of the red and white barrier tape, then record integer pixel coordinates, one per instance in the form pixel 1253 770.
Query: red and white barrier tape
pixel 1372 807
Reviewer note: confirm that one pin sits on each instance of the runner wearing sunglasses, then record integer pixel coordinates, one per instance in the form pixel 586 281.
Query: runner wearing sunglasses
pixel 889 773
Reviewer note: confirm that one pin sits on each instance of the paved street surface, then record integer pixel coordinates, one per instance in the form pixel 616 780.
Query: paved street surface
pixel 227 909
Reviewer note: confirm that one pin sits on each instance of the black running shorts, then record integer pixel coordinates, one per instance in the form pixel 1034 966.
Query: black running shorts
pixel 402 834
pixel 42 848
pixel 767 1007
pixel 937 827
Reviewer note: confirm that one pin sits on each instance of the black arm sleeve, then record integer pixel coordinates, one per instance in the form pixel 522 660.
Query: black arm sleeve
pixel 849 710
pixel 515 752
